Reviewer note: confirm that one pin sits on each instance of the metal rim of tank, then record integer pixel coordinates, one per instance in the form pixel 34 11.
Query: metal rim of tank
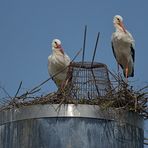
pixel 70 110
pixel 88 65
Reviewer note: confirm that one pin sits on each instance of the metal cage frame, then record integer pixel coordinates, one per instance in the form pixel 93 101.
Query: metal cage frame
pixel 89 81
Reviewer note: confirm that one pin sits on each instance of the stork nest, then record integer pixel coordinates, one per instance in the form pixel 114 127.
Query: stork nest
pixel 121 96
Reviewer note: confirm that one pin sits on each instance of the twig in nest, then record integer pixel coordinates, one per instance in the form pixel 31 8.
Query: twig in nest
pixel 18 90
pixel 4 90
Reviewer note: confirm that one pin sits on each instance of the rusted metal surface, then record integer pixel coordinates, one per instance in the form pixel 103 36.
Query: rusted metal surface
pixel 70 126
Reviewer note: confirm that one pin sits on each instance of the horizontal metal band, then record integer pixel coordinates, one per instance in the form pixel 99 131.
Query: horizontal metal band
pixel 70 110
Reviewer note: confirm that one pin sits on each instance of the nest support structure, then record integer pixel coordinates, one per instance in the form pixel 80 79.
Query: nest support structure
pixel 89 80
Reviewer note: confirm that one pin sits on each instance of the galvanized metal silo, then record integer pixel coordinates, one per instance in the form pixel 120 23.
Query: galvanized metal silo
pixel 70 126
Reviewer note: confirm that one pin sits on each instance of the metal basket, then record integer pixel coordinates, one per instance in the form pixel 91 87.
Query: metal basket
pixel 89 80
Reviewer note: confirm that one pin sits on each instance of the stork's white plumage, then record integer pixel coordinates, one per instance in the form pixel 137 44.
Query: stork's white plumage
pixel 58 63
pixel 123 47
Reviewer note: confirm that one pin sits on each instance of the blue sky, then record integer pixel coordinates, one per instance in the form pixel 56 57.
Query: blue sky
pixel 28 27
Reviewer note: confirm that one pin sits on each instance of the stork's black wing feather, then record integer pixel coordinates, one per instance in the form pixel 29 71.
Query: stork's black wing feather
pixel 133 53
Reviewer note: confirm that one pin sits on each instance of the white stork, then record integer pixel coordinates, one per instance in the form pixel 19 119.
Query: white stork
pixel 58 63
pixel 123 47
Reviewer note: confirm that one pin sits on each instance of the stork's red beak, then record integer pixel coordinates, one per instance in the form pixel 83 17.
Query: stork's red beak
pixel 58 45
pixel 122 26
pixel 60 48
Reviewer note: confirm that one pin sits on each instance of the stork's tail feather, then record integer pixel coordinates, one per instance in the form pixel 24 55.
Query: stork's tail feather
pixel 132 74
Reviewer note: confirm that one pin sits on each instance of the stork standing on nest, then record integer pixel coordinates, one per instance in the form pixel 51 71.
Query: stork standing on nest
pixel 58 63
pixel 123 47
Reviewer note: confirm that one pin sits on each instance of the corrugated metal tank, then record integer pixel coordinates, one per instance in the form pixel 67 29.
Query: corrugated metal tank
pixel 70 126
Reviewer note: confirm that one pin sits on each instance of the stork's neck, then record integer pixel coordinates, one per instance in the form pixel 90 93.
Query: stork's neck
pixel 57 51
pixel 119 28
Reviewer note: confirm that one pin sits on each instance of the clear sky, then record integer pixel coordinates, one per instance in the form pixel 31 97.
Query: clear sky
pixel 28 27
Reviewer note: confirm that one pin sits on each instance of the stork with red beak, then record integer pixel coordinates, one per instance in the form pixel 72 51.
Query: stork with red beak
pixel 123 47
pixel 58 63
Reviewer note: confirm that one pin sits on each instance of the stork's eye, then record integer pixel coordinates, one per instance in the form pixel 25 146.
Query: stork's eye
pixel 118 19
pixel 55 42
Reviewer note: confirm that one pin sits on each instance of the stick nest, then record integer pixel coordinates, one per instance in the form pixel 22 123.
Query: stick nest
pixel 121 96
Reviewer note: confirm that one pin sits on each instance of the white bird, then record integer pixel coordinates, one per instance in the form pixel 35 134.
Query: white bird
pixel 123 47
pixel 58 63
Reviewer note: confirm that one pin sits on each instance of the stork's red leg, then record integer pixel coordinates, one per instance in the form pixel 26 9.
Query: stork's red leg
pixel 126 74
